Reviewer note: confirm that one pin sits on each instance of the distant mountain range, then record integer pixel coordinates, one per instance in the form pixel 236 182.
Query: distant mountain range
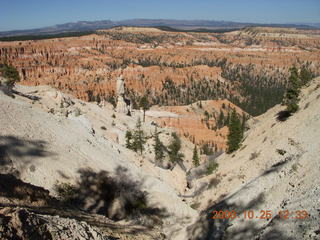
pixel 177 24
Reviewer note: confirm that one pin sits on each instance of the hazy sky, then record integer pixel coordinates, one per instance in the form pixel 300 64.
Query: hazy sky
pixel 24 14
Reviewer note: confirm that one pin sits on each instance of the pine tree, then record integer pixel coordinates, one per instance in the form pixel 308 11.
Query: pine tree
pixel 243 124
pixel 174 149
pixel 195 157
pixel 158 147
pixel 221 120
pixel 235 133
pixel 228 119
pixel 305 75
pixel 292 94
pixel 144 104
pixel 138 138
pixel 128 139
pixel 206 149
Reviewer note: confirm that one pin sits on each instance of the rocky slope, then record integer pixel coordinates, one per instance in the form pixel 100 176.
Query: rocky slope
pixel 276 169
pixel 28 212
pixel 51 139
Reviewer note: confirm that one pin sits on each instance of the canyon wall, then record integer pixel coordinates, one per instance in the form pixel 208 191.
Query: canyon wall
pixel 170 68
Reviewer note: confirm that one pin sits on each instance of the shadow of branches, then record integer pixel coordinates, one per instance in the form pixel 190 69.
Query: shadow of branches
pixel 282 116
pixel 24 150
pixel 207 228
pixel 117 197
pixel 13 188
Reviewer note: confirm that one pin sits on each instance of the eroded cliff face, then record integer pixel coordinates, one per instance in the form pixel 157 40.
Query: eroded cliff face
pixel 87 66
pixel 170 68
pixel 198 122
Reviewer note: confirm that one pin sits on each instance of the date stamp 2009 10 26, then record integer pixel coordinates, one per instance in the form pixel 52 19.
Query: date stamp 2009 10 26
pixel 262 214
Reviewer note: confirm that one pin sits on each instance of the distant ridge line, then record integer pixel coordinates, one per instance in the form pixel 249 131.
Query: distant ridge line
pixel 177 25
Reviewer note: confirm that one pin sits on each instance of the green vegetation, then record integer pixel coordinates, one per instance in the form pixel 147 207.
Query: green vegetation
pixel 159 148
pixel 66 192
pixel 129 139
pixel 281 152
pixel 174 149
pixel 221 120
pixel 211 168
pixel 142 38
pixel 144 104
pixel 197 30
pixel 195 157
pixel 296 81
pixel 208 150
pixel 291 99
pixel 112 99
pixel 305 75
pixel 256 90
pixel 96 192
pixel 136 140
pixel 10 73
pixel 235 133
pixel 47 36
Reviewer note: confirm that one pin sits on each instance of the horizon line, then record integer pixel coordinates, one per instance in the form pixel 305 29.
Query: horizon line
pixel 166 19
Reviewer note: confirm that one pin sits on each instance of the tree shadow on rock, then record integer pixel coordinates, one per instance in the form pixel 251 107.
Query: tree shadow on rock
pixel 14 189
pixel 24 150
pixel 283 116
pixel 118 197
pixel 207 228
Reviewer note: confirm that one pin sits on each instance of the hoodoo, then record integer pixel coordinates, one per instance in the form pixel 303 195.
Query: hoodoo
pixel 123 104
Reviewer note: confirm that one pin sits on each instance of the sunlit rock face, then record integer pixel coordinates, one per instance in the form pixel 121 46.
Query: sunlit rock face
pixel 123 104
pixel 88 66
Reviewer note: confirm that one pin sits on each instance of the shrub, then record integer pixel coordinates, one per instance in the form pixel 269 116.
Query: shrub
pixel 211 167
pixel 8 77
pixel 158 147
pixel 281 151
pixel 214 182
pixel 66 192
pixel 195 157
pixel 10 73
pixel 174 149
pixel 128 139
pixel 254 155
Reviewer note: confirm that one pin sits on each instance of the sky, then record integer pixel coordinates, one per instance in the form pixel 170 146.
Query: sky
pixel 26 14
